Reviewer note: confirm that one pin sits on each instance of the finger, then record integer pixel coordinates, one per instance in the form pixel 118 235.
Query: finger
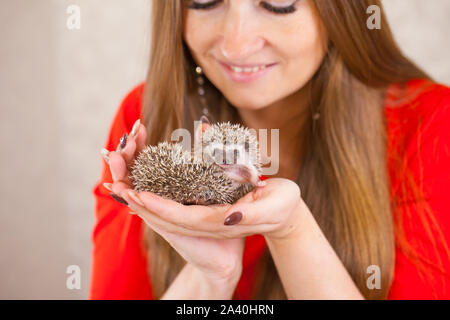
pixel 119 186
pixel 128 146
pixel 141 137
pixel 224 233
pixel 135 128
pixel 264 205
pixel 118 168
pixel 153 219
pixel 217 231
pixel 195 217
pixel 253 208
pixel 128 152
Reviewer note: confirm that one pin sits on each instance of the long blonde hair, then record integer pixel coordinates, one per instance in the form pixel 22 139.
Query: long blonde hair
pixel 344 179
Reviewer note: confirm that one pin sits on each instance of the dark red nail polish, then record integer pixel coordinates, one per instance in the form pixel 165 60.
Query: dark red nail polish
pixel 233 218
pixel 123 141
pixel 118 199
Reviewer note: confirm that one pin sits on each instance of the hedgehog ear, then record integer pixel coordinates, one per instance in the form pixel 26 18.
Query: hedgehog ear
pixel 202 127
pixel 241 173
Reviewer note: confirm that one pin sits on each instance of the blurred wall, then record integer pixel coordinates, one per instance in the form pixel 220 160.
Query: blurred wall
pixel 422 30
pixel 59 90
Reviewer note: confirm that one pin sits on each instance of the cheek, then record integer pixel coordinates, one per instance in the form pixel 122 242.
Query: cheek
pixel 303 49
pixel 190 34
pixel 306 47
pixel 197 34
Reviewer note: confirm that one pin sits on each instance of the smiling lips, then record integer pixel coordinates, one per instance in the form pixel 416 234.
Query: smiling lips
pixel 246 73
pixel 247 70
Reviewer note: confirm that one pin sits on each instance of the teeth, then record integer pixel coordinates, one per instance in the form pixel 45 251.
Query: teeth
pixel 247 70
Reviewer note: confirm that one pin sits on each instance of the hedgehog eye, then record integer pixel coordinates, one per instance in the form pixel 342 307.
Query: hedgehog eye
pixel 236 155
pixel 218 155
pixel 232 156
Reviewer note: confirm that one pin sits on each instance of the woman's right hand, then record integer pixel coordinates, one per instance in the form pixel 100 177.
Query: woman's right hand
pixel 217 259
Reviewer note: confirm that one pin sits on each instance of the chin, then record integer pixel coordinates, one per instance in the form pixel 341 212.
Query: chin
pixel 248 104
pixel 250 107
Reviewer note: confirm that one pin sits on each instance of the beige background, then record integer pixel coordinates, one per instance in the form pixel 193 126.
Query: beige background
pixel 59 91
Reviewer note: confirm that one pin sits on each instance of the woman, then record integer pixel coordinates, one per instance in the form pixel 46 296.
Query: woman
pixel 358 206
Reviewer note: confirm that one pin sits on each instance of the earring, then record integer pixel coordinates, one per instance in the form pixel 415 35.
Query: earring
pixel 201 90
pixel 315 116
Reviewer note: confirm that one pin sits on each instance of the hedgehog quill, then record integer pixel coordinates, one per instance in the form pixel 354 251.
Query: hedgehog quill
pixel 222 167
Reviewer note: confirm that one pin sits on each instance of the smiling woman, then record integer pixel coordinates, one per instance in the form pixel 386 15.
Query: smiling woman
pixel 359 186
pixel 232 37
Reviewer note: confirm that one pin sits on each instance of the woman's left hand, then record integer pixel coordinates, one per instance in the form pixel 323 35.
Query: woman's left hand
pixel 274 211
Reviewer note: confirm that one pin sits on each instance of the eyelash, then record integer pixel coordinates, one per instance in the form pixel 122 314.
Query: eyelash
pixel 265 5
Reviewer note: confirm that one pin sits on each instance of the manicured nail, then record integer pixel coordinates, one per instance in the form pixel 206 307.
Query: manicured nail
pixel 135 197
pixel 105 154
pixel 204 119
pixel 233 218
pixel 123 142
pixel 135 128
pixel 118 199
pixel 108 186
pixel 261 183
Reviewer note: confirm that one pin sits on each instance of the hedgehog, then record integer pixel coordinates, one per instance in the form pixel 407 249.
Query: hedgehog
pixel 223 166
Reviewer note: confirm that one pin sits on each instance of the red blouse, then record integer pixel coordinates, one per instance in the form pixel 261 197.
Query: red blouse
pixel 418 123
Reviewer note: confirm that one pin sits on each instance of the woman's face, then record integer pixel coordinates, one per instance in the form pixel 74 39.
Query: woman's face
pixel 246 32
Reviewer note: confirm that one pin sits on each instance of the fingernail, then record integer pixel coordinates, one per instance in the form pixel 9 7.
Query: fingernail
pixel 105 154
pixel 233 218
pixel 108 186
pixel 118 199
pixel 261 183
pixel 135 128
pixel 204 119
pixel 135 197
pixel 123 142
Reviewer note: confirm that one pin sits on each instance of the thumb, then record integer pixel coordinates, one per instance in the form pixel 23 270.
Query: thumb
pixel 253 208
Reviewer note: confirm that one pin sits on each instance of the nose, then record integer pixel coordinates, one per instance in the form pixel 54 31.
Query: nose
pixel 240 37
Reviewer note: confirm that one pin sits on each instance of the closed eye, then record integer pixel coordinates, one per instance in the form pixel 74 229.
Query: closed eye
pixel 274 9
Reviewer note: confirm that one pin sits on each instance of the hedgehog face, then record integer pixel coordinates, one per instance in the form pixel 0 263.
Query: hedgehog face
pixel 233 148
pixel 220 153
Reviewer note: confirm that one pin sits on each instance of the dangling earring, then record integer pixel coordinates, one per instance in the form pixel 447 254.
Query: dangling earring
pixel 316 116
pixel 201 90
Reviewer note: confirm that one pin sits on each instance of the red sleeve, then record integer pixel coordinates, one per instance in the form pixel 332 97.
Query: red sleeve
pixel 428 157
pixel 118 258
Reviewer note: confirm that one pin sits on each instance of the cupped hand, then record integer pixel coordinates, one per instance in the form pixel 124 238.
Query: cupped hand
pixel 275 211
pixel 217 258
